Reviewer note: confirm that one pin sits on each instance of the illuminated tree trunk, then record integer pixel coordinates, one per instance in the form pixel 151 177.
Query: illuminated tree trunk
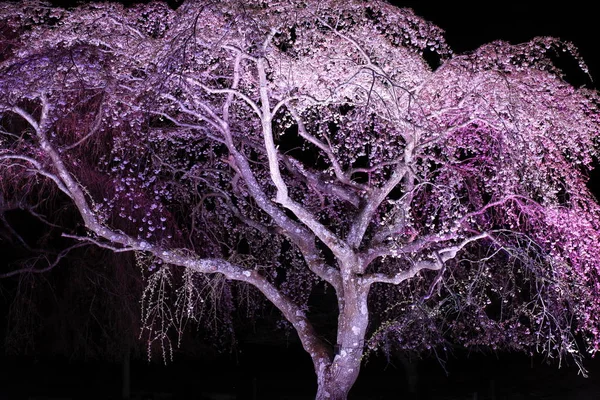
pixel 337 387
pixel 335 381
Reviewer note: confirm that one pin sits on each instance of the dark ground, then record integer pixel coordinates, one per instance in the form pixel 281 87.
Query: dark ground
pixel 261 372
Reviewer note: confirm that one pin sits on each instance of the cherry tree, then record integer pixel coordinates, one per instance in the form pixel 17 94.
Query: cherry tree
pixel 261 152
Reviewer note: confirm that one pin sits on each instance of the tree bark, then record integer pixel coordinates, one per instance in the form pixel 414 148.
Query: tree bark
pixel 336 379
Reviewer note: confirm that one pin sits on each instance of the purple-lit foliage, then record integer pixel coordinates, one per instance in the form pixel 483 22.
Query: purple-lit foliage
pixel 268 150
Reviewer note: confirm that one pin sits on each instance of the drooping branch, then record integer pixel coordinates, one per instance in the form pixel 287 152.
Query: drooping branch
pixel 49 263
pixel 112 238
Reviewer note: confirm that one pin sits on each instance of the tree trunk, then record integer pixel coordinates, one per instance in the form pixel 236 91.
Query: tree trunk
pixel 335 381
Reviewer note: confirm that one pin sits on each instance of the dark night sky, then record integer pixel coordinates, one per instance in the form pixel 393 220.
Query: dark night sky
pixel 468 26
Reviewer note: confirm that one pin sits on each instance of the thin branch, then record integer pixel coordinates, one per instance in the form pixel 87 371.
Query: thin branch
pixel 234 92
pixel 297 233
pixel 320 183
pixel 359 227
pixel 214 119
pixel 239 51
pixel 26 116
pixel 286 100
pixel 92 132
pixel 342 176
pixel 37 169
pixel 104 245
pixel 412 247
pixel 50 266
pixel 440 257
